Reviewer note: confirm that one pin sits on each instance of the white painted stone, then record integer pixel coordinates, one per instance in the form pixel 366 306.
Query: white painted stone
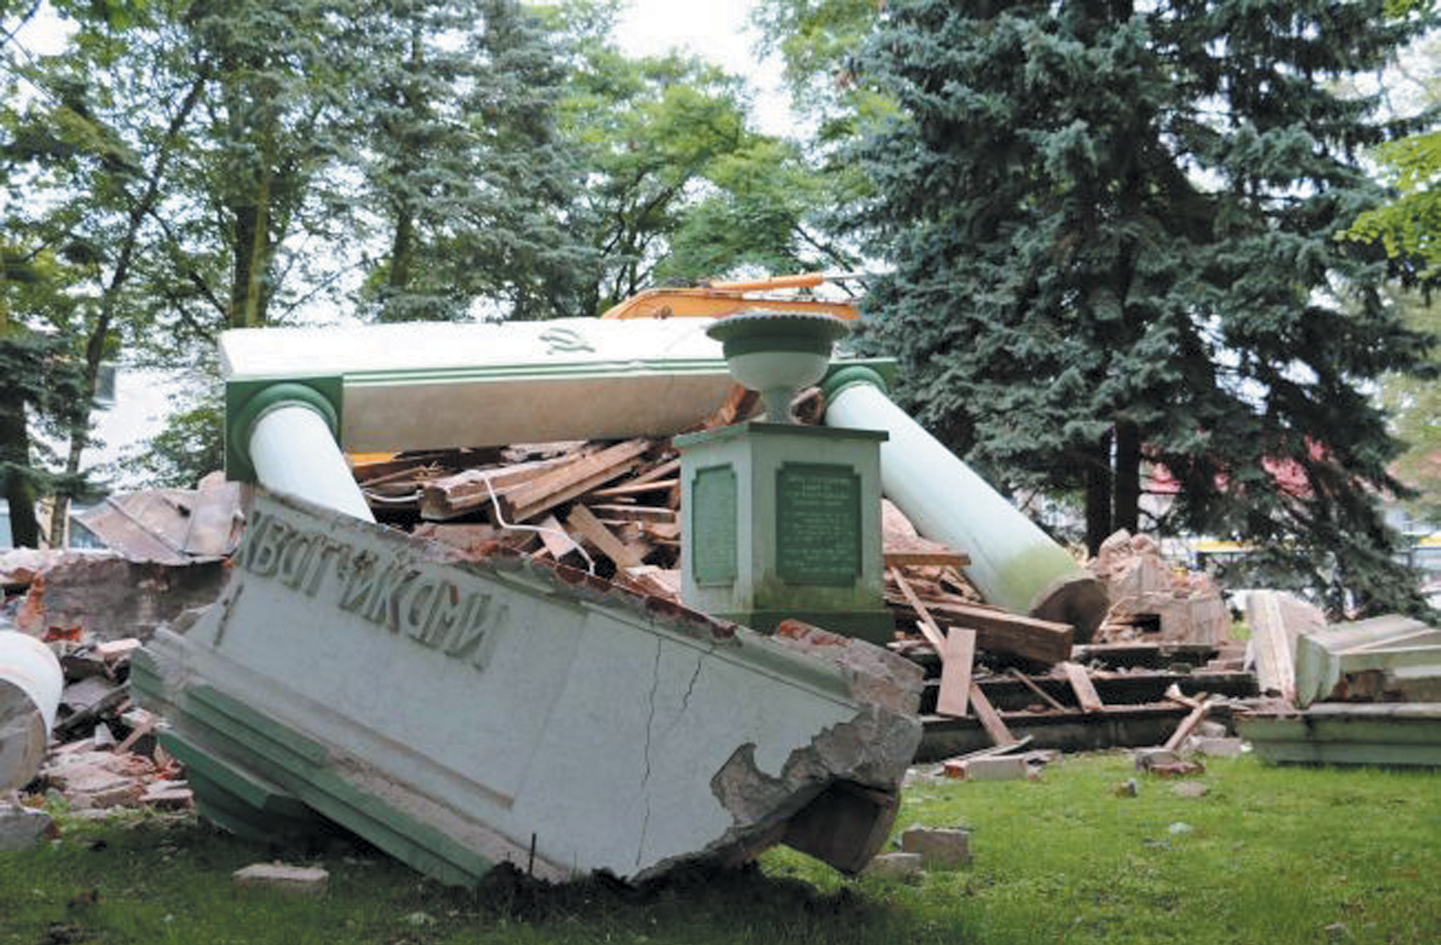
pixel 302 880
pixel 994 768
pixel 1218 747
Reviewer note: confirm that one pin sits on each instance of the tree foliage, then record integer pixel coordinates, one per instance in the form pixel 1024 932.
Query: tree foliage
pixel 1114 235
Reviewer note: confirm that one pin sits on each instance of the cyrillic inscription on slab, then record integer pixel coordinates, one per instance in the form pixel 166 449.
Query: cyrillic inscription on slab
pixel 818 524
pixel 713 525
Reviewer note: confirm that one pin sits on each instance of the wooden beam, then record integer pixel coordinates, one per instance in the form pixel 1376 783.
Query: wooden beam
pixel 582 522
pixel 572 480
pixel 956 672
pixel 634 487
pixel 1187 726
pixel 633 513
pixel 929 627
pixel 901 550
pixel 1031 685
pixel 989 717
pixel 665 469
pixel 998 631
pixel 555 539
pixel 1081 685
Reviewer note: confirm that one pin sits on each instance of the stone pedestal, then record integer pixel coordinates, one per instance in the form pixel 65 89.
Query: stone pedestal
pixel 783 522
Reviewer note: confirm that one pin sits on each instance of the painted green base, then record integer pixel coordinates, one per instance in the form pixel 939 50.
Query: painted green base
pixel 288 776
pixel 873 626
pixel 1381 734
pixel 784 522
pixel 244 805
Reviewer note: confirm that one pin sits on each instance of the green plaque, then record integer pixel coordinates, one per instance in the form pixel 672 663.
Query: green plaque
pixel 713 517
pixel 818 524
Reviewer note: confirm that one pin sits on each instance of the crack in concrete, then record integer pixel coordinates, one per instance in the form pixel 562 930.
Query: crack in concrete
pixel 645 778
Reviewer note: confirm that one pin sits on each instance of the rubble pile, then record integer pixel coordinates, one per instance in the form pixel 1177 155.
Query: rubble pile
pixel 1150 600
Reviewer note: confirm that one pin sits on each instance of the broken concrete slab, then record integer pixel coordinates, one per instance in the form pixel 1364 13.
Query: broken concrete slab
pixel 1392 658
pixel 461 713
pixel 23 827
pixel 299 880
pixel 940 848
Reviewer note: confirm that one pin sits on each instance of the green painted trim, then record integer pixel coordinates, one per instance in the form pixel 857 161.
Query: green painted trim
pixel 249 737
pixel 844 376
pixel 777 331
pixel 714 524
pixel 246 401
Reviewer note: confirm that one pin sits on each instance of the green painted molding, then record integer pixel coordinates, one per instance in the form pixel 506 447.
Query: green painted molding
pixel 849 374
pixel 246 401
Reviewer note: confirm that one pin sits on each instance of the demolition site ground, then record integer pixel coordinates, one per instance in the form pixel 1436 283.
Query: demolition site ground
pixel 1090 851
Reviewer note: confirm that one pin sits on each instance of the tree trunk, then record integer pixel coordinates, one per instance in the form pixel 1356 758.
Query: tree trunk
pixel 1098 496
pixel 19 491
pixel 1127 477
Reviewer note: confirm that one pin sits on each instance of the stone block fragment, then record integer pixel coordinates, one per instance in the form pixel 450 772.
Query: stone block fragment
pixel 301 880
pixel 894 866
pixel 941 848
pixel 1218 747
pixel 22 828
pixel 995 768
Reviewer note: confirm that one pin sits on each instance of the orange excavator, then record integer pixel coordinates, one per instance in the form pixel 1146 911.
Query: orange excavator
pixel 719 299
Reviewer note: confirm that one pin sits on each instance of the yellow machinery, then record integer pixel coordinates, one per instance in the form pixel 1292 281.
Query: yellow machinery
pixel 718 299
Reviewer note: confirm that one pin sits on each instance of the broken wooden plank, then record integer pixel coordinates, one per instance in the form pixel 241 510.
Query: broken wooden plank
pixel 928 624
pixel 555 539
pixel 998 631
pixel 1187 726
pixel 635 487
pixel 739 404
pixel 571 480
pixel 1273 639
pixel 632 513
pixel 1080 682
pixel 989 718
pixel 991 752
pixel 1031 685
pixel 956 662
pixel 581 521
pixel 903 551
pixel 464 492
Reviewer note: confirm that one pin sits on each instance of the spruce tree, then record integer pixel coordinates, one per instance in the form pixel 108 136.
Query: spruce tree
pixel 1114 236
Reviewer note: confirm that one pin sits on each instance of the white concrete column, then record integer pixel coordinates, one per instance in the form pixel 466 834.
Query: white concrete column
pixel 295 453
pixel 1014 564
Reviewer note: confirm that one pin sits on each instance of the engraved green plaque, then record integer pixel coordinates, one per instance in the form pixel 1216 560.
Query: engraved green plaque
pixel 818 524
pixel 713 518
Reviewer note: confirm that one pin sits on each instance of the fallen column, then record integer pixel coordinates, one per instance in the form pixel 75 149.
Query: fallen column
pixel 30 683
pixel 1013 563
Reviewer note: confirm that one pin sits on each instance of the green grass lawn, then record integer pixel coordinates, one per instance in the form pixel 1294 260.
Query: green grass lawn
pixel 1269 856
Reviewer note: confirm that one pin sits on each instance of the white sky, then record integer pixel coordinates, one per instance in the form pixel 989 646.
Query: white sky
pixel 718 30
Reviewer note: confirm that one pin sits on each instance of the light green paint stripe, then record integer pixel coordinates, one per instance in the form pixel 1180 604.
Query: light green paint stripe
pixel 267 798
pixel 412 841
pixel 217 707
pixel 513 372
